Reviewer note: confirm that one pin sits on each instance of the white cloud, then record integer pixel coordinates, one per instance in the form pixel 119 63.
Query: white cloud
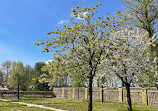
pixel 80 15
pixel 48 61
pixel 63 21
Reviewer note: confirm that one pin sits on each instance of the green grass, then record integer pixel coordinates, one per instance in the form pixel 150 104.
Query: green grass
pixel 9 106
pixel 45 101
pixel 82 105
pixel 98 106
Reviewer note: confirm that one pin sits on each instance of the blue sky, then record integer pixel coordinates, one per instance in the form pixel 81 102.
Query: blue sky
pixel 25 22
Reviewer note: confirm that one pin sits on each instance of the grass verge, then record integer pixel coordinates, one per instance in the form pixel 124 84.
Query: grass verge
pixel 82 105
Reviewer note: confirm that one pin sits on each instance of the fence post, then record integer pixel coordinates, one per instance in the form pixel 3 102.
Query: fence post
pixel 144 96
pixel 120 90
pixel 63 92
pixel 73 93
pixel 86 93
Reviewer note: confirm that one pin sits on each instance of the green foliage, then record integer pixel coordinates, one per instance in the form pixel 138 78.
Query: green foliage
pixel 81 45
pixel 21 73
pixel 28 75
pixel 16 73
pixel 37 83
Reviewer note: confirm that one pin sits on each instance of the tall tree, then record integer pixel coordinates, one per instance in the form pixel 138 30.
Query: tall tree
pixel 27 75
pixel 37 75
pixel 16 75
pixel 144 15
pixel 129 57
pixel 84 42
pixel 6 66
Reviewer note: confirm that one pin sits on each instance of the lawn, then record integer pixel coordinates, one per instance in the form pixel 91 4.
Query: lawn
pixel 8 106
pixel 82 105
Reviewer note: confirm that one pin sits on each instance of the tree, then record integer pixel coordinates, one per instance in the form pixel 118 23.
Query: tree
pixel 17 70
pixel 84 42
pixel 37 75
pixel 6 66
pixel 129 57
pixel 16 75
pixel 1 77
pixel 56 75
pixel 27 75
pixel 144 13
pixel 145 16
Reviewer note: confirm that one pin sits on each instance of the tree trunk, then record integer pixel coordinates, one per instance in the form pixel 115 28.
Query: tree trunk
pixel 18 89
pixel 90 94
pixel 102 100
pixel 123 84
pixel 18 85
pixel 129 103
pixel 78 93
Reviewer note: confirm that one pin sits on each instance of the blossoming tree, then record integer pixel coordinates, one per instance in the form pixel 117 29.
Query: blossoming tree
pixel 129 57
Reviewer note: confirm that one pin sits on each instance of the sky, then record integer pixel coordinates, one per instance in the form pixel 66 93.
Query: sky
pixel 25 22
